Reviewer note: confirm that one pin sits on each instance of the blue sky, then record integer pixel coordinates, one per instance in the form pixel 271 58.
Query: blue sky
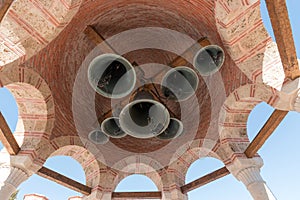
pixel 280 153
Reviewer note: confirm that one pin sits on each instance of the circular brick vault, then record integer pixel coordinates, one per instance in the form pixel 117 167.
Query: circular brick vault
pixel 61 60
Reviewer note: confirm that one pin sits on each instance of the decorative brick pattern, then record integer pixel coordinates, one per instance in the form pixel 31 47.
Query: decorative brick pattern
pixel 30 25
pixel 43 46
pixel 234 115
pixel 87 160
pixel 35 106
pixel 248 43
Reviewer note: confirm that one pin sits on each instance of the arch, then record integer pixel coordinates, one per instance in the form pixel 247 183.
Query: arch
pixel 61 164
pixel 226 186
pixel 256 118
pixel 29 26
pixel 200 148
pixel 234 116
pixel 201 167
pixel 35 106
pixel 131 183
pixel 244 35
pixel 137 165
pixel 69 162
pixel 8 108
pixel 72 147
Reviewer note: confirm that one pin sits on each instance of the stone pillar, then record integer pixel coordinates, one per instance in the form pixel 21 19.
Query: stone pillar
pixel 248 172
pixel 255 184
pixel 10 178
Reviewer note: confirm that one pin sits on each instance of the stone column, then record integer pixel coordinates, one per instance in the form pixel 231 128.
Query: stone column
pixel 10 178
pixel 255 184
pixel 248 172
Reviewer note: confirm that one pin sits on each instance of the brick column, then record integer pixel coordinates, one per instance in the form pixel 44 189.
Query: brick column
pixel 248 172
pixel 10 178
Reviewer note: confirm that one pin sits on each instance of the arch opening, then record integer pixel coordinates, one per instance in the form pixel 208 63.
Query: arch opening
pixel 132 183
pixel 61 164
pixel 34 114
pixel 9 109
pixel 227 187
pixel 257 118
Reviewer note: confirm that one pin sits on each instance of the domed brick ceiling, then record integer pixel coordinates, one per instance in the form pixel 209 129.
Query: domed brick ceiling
pixel 62 60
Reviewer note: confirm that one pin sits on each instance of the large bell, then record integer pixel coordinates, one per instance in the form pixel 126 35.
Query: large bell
pixel 180 83
pixel 144 118
pixel 174 129
pixel 209 59
pixel 111 75
pixel 111 127
pixel 98 137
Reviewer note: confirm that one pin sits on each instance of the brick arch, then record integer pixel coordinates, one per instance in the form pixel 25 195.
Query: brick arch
pixel 137 165
pixel 199 148
pixel 234 116
pixel 75 150
pixel 35 108
pixel 246 40
pixel 30 25
pixel 153 176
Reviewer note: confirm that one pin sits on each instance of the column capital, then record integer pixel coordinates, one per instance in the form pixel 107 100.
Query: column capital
pixel 10 178
pixel 15 175
pixel 289 96
pixel 248 172
pixel 241 164
pixel 250 175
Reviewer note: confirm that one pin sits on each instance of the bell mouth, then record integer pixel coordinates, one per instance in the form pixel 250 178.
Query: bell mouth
pixel 174 130
pixel 98 137
pixel 180 83
pixel 111 127
pixel 209 59
pixel 144 118
pixel 111 76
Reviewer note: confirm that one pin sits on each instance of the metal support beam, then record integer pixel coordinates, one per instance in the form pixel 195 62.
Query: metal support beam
pixel 136 195
pixel 205 180
pixel 4 6
pixel 64 181
pixel 265 132
pixel 284 37
pixel 7 138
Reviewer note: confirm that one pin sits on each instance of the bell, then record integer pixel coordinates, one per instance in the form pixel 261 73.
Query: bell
pixel 111 76
pixel 174 129
pixel 98 137
pixel 111 127
pixel 209 59
pixel 144 118
pixel 179 83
